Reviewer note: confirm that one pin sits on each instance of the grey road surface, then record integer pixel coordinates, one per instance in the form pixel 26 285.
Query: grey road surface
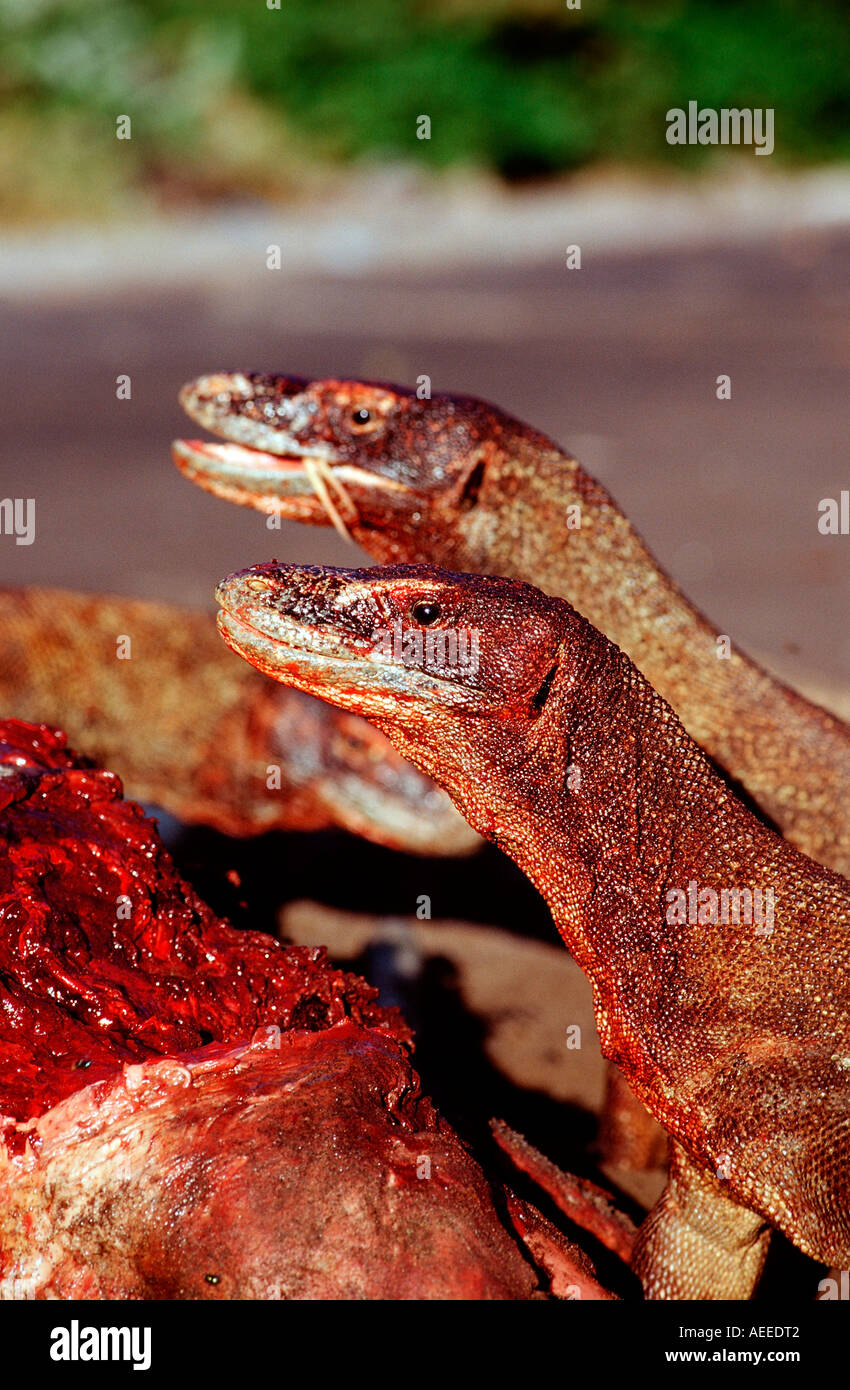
pixel 618 360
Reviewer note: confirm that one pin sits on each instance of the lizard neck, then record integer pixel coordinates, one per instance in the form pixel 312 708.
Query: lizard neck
pixel 662 884
pixel 540 518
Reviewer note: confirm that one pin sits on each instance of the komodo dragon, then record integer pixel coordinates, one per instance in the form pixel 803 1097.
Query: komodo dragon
pixel 147 691
pixel 718 953
pixel 456 482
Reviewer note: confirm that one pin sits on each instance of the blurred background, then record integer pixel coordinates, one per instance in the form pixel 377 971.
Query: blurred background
pixel 298 126
pixel 252 125
pixel 240 98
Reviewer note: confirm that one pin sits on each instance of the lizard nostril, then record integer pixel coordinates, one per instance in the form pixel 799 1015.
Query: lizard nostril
pixel 258 585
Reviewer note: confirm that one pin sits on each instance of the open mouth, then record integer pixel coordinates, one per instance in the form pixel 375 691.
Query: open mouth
pixel 238 460
pixel 302 486
pixel 274 457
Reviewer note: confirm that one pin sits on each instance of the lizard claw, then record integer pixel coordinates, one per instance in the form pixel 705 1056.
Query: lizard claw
pixel 585 1204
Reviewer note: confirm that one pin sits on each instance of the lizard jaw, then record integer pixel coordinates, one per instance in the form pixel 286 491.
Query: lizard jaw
pixel 296 486
pixel 250 477
pixel 305 669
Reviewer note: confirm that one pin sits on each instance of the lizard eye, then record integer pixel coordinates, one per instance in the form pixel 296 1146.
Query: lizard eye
pixel 425 613
pixel 361 416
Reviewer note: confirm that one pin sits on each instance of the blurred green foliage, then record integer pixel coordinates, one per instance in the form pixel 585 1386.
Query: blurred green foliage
pixel 231 95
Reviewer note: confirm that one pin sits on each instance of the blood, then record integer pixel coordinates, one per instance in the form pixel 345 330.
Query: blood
pixel 107 956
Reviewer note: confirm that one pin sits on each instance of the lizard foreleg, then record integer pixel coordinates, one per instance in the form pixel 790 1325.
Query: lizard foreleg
pixel 697 1243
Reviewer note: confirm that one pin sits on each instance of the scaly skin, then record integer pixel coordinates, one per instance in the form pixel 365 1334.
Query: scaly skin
pixel 734 1034
pixel 456 482
pixel 201 747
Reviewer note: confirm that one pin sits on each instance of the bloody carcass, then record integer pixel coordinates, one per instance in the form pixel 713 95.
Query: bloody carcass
pixel 192 1111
